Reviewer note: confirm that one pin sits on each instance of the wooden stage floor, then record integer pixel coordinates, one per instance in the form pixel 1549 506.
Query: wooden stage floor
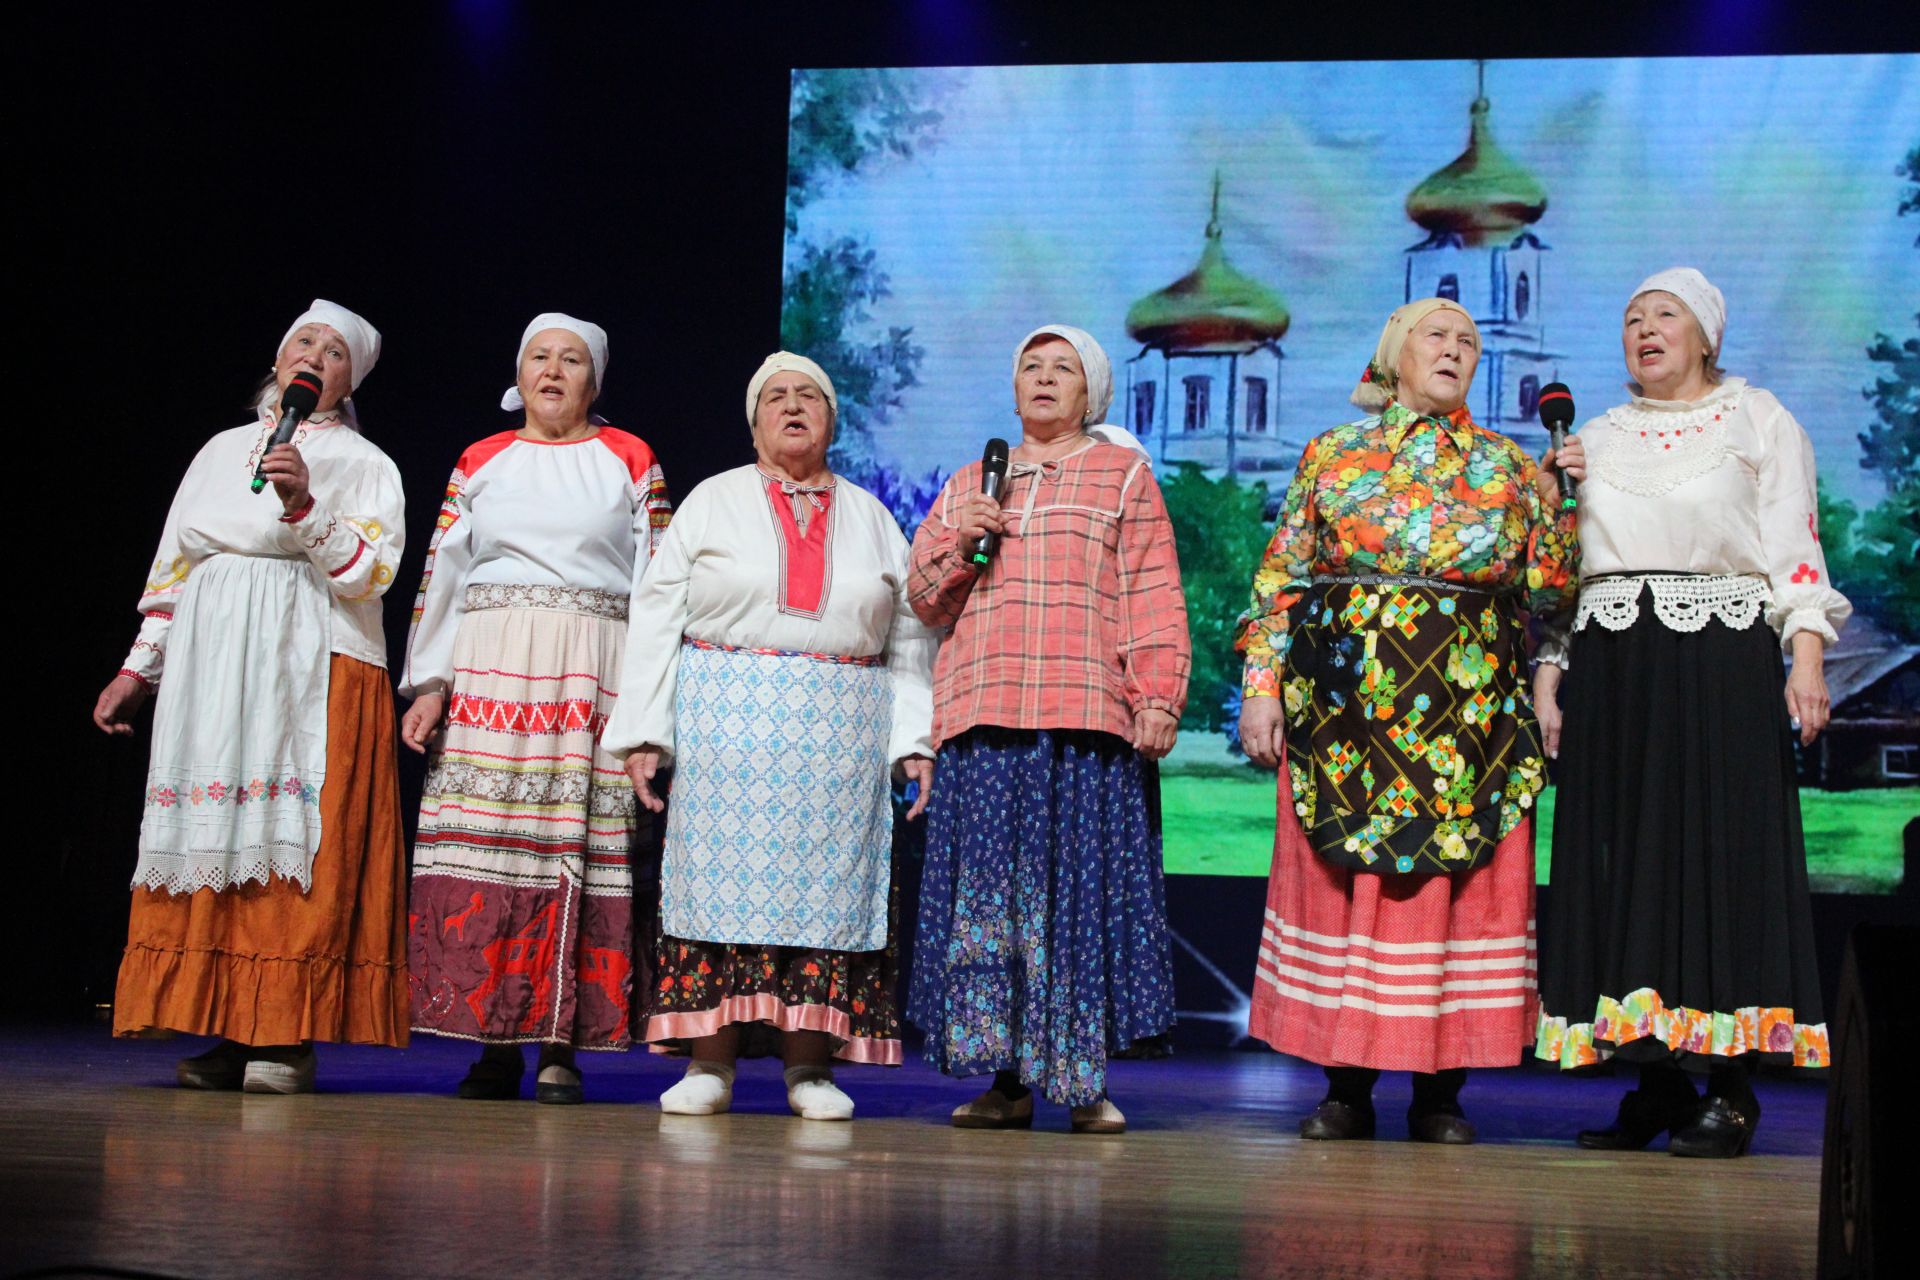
pixel 104 1163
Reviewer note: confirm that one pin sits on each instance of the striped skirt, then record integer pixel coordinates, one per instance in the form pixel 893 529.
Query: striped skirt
pixel 1397 973
pixel 521 926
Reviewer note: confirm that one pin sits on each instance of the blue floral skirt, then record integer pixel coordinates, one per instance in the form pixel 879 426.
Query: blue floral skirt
pixel 1042 940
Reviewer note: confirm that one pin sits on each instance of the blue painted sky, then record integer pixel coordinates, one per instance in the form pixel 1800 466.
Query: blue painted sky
pixel 1065 193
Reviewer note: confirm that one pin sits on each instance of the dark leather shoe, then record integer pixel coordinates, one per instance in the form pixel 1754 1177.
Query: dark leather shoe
pixel 493 1079
pixel 1718 1131
pixel 1639 1121
pixel 1337 1122
pixel 1440 1126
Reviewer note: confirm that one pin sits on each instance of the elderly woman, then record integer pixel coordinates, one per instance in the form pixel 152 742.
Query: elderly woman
pixel 774 660
pixel 268 900
pixel 1042 931
pixel 522 914
pixel 1680 935
pixel 1384 666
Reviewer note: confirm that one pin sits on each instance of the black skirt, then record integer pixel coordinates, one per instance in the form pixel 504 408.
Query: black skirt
pixel 1679 925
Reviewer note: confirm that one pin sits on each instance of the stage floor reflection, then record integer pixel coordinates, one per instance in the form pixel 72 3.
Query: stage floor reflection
pixel 105 1164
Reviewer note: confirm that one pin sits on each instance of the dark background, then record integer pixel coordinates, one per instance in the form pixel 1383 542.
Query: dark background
pixel 181 182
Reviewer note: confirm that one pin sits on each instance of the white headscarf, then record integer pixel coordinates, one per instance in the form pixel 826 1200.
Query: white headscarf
pixel 362 339
pixel 788 362
pixel 588 332
pixel 1708 304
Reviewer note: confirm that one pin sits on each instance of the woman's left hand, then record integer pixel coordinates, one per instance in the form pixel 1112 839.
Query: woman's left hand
pixel 1154 732
pixel 918 769
pixel 288 471
pixel 1807 699
pixel 1571 458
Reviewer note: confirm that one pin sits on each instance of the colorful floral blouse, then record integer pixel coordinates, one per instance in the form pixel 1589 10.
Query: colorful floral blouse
pixel 1404 494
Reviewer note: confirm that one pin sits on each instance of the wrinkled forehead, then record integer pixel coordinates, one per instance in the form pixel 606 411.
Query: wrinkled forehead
pixel 313 329
pixel 1657 298
pixel 1051 346
pixel 557 340
pixel 786 381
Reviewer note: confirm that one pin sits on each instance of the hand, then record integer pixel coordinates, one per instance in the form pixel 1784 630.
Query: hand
pixel 979 515
pixel 917 769
pixel 1154 732
pixel 117 704
pixel 641 766
pixel 422 720
pixel 288 471
pixel 1546 706
pixel 1571 458
pixel 1807 699
pixel 1261 731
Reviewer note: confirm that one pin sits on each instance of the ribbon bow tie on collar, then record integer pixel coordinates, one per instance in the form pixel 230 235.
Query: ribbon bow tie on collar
pixel 811 492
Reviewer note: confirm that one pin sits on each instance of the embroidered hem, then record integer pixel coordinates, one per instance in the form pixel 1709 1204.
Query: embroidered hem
pixel 1643 1014
pixel 1681 603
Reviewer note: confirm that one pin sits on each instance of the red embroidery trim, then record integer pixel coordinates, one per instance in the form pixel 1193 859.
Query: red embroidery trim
pixel 839 659
pixel 135 675
pixel 359 545
pixel 1806 573
pixel 295 517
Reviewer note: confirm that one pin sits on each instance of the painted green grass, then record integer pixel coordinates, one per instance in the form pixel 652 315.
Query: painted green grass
pixel 1218 820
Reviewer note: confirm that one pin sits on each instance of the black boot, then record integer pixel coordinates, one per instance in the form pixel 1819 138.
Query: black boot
pixel 1723 1126
pixel 1435 1115
pixel 1665 1100
pixel 496 1076
pixel 1347 1110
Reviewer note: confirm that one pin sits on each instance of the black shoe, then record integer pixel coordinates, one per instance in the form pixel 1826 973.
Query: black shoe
pixel 1447 1127
pixel 494 1078
pixel 561 1091
pixel 1718 1131
pixel 1640 1120
pixel 221 1067
pixel 1336 1122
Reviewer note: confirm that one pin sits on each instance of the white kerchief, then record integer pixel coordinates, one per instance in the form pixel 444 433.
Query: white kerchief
pixel 788 362
pixel 362 339
pixel 1093 363
pixel 1708 304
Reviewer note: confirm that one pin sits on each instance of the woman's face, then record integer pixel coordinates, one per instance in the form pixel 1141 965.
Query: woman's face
pixel 792 423
pixel 1664 346
pixel 556 375
pixel 1050 387
pixel 1437 363
pixel 319 349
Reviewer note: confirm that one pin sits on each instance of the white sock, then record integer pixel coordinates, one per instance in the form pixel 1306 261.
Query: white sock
pixel 813 1095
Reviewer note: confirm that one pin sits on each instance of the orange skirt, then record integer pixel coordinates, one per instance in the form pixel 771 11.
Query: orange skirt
pixel 265 964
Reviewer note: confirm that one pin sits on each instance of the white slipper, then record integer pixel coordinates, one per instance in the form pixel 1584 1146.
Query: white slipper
pixel 265 1076
pixel 706 1090
pixel 813 1095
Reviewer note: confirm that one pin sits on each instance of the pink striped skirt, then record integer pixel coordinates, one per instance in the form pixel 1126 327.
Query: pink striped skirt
pixel 1398 973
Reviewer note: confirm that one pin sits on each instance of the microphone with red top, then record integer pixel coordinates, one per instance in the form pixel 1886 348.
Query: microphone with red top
pixel 1556 415
pixel 297 402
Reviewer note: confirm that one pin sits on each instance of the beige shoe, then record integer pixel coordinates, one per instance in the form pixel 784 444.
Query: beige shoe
pixel 994 1110
pixel 1099 1117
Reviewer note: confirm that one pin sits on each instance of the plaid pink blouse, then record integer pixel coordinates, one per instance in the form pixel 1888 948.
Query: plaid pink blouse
pixel 1079 622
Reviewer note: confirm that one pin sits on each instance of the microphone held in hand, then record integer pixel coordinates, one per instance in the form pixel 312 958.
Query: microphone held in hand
pixel 993 482
pixel 297 402
pixel 1556 415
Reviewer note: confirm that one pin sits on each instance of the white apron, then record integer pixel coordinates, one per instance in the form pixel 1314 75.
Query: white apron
pixel 240 729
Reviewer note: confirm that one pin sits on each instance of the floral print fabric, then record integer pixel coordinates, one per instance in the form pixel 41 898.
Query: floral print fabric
pixel 1403 494
pixel 1643 1014
pixel 1043 942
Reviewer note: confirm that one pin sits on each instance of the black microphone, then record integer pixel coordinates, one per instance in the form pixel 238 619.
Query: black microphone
pixel 993 481
pixel 299 400
pixel 1556 415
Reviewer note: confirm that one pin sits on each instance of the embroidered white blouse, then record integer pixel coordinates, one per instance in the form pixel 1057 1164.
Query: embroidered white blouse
pixel 1723 487
pixel 520 512
pixel 722 577
pixel 353 534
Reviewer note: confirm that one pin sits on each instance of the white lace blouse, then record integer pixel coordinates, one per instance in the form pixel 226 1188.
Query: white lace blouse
pixel 1722 488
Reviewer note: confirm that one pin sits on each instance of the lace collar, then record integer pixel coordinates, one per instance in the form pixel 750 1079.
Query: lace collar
pixel 1656 446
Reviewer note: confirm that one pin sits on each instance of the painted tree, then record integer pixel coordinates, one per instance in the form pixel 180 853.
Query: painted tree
pixel 1221 530
pixel 841 124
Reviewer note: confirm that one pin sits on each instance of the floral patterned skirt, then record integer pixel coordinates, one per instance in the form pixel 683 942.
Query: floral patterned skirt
pixel 696 988
pixel 1678 923
pixel 1042 942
